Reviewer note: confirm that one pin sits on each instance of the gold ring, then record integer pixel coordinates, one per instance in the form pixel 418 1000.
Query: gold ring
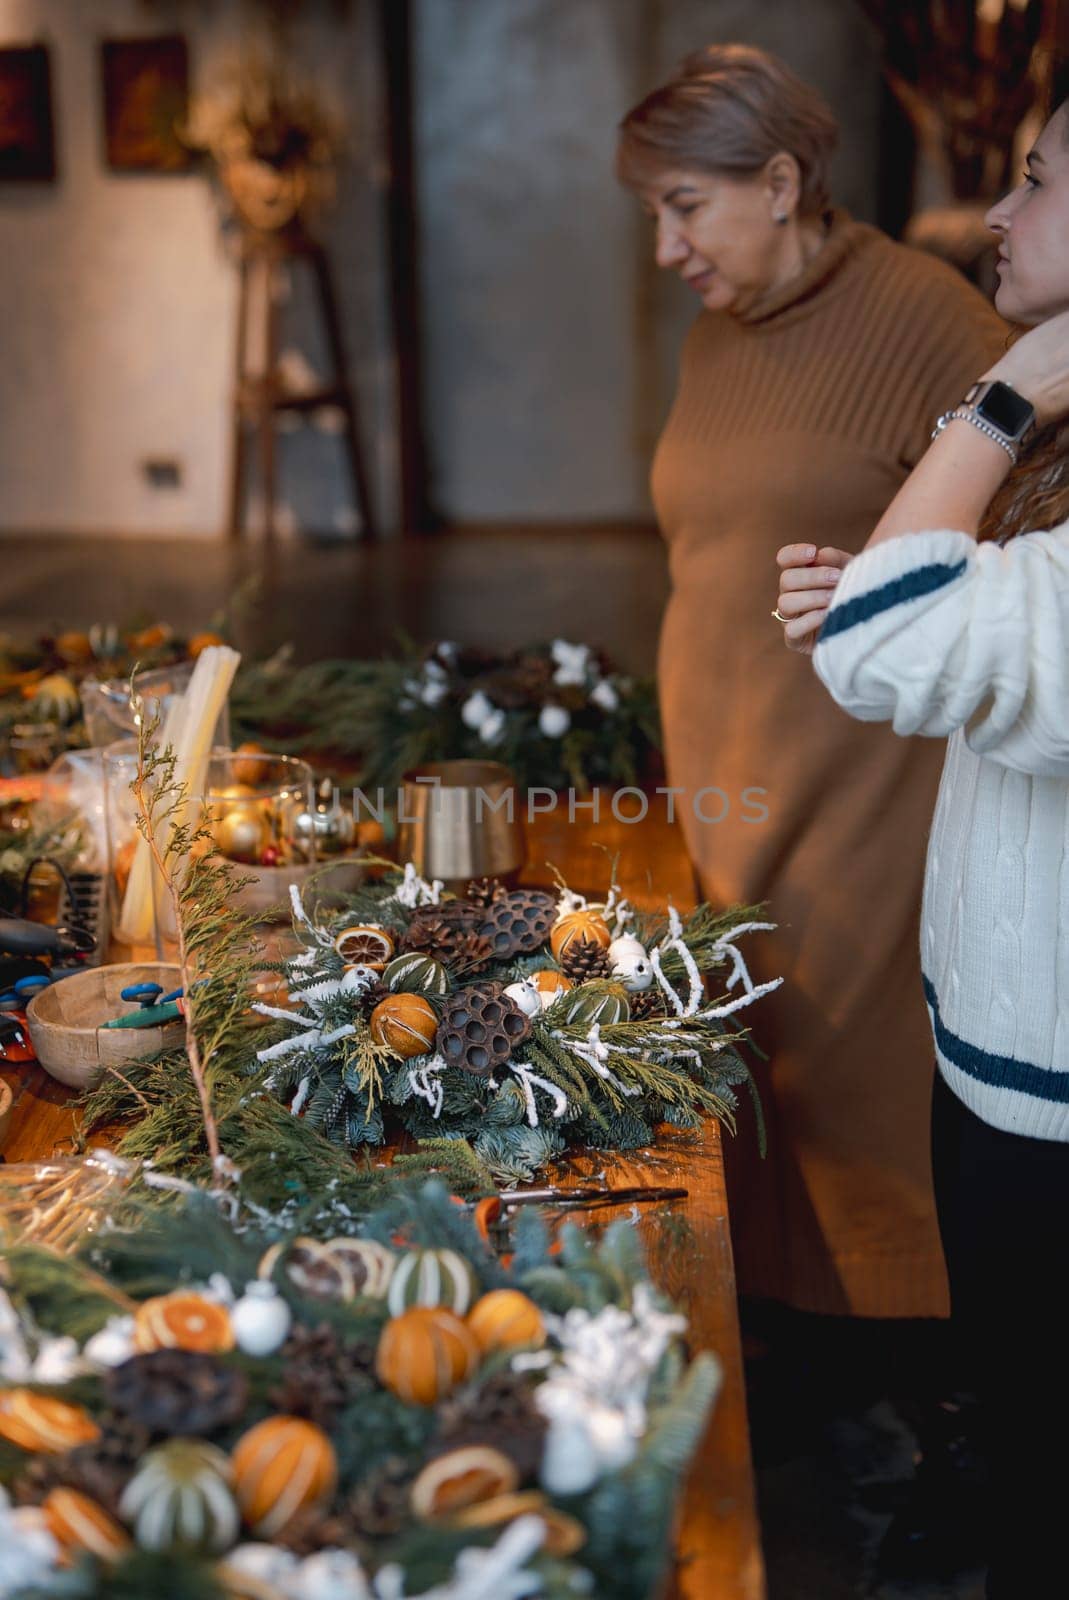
pixel 779 615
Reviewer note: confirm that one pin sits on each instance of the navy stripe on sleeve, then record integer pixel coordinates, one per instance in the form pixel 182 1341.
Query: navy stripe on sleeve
pixel 998 1072
pixel 911 586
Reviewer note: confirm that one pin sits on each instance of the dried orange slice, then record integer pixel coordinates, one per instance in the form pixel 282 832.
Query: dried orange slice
pixel 37 1422
pixel 364 945
pixel 502 1508
pixel 78 1523
pixel 182 1321
pixel 464 1477
pixel 566 1534
pixel 320 1271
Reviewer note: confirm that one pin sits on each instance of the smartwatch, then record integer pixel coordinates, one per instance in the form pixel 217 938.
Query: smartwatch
pixel 1003 409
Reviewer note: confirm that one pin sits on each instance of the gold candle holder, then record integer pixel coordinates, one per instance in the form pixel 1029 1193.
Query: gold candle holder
pixel 460 820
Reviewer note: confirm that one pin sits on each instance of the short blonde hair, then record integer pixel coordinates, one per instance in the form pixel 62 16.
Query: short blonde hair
pixel 729 109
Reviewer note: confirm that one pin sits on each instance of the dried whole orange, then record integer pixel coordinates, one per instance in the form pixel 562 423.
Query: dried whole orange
pixel 405 1023
pixel 281 1466
pixel 424 1353
pixel 183 1320
pixel 250 763
pixel 576 926
pixel 505 1319
pixel 462 1478
pixel 39 1423
pixel 550 983
pixel 202 641
pixel 78 1523
pixel 364 945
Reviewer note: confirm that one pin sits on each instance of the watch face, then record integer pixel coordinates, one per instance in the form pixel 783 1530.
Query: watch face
pixel 1005 410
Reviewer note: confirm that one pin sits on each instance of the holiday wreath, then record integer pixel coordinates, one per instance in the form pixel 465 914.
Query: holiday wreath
pixel 194 1409
pixel 523 1021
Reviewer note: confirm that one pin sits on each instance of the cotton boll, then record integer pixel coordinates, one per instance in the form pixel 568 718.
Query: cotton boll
pixel 631 963
pixel 113 1345
pixel 554 721
pixel 58 1361
pixel 261 1319
pixel 604 695
pixel 570 1463
pixel 491 731
pixel 330 1575
pixel 268 1562
pixel 611 1438
pixel 475 710
pixel 525 995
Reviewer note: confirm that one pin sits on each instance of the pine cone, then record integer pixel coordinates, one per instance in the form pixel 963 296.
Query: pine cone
pixel 372 995
pixel 583 959
pixel 313 1529
pixel 500 1412
pixel 480 1029
pixel 177 1391
pixel 456 944
pixel 378 1507
pixel 101 1469
pixel 323 1373
pixel 646 1004
pixel 484 891
pixel 519 923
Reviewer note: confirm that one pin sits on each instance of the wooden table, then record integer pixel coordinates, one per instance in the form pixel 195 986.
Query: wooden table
pixel 719 1546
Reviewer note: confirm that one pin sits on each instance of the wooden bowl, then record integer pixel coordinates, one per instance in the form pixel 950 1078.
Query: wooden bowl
pixel 65 1022
pixel 7 1105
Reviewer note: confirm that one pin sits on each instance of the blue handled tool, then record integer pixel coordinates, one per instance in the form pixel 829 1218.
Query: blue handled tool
pixel 23 990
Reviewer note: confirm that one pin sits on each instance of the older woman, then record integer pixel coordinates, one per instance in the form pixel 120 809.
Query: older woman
pixel 821 354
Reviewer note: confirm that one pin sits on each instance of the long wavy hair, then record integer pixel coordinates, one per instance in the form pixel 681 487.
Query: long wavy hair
pixel 1035 496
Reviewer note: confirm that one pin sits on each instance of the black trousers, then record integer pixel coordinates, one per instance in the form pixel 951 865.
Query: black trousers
pixel 1003 1206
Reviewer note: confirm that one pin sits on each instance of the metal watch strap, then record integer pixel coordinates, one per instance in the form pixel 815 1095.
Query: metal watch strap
pixel 964 414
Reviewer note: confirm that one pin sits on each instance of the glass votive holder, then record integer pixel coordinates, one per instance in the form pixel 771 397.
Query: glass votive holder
pixel 254 805
pixel 33 746
pixel 110 714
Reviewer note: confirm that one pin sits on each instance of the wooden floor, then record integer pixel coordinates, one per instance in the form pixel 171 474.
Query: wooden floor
pixel 496 588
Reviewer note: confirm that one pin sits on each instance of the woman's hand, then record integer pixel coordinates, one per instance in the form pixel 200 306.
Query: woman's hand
pixel 806 586
pixel 1037 366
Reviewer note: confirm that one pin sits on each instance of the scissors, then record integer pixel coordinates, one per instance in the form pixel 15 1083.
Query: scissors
pixel 15 1043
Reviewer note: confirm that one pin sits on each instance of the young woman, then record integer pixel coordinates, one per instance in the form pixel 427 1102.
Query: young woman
pixel 954 622
pixel 819 349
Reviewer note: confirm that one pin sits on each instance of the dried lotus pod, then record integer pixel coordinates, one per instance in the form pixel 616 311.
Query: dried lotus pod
pixel 480 1029
pixel 177 1391
pixel 518 923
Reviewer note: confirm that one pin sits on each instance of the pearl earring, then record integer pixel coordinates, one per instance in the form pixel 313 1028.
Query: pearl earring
pixel 779 219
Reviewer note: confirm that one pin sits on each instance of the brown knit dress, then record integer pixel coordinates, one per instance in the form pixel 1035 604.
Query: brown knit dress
pixel 797 423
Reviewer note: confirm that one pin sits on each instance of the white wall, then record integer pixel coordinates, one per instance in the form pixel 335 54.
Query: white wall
pixel 119 301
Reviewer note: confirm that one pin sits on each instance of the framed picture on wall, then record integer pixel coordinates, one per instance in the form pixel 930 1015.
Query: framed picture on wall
pixel 146 99
pixel 27 142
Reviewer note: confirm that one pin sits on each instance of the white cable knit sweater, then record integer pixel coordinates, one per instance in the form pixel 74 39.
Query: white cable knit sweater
pixel 942 636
